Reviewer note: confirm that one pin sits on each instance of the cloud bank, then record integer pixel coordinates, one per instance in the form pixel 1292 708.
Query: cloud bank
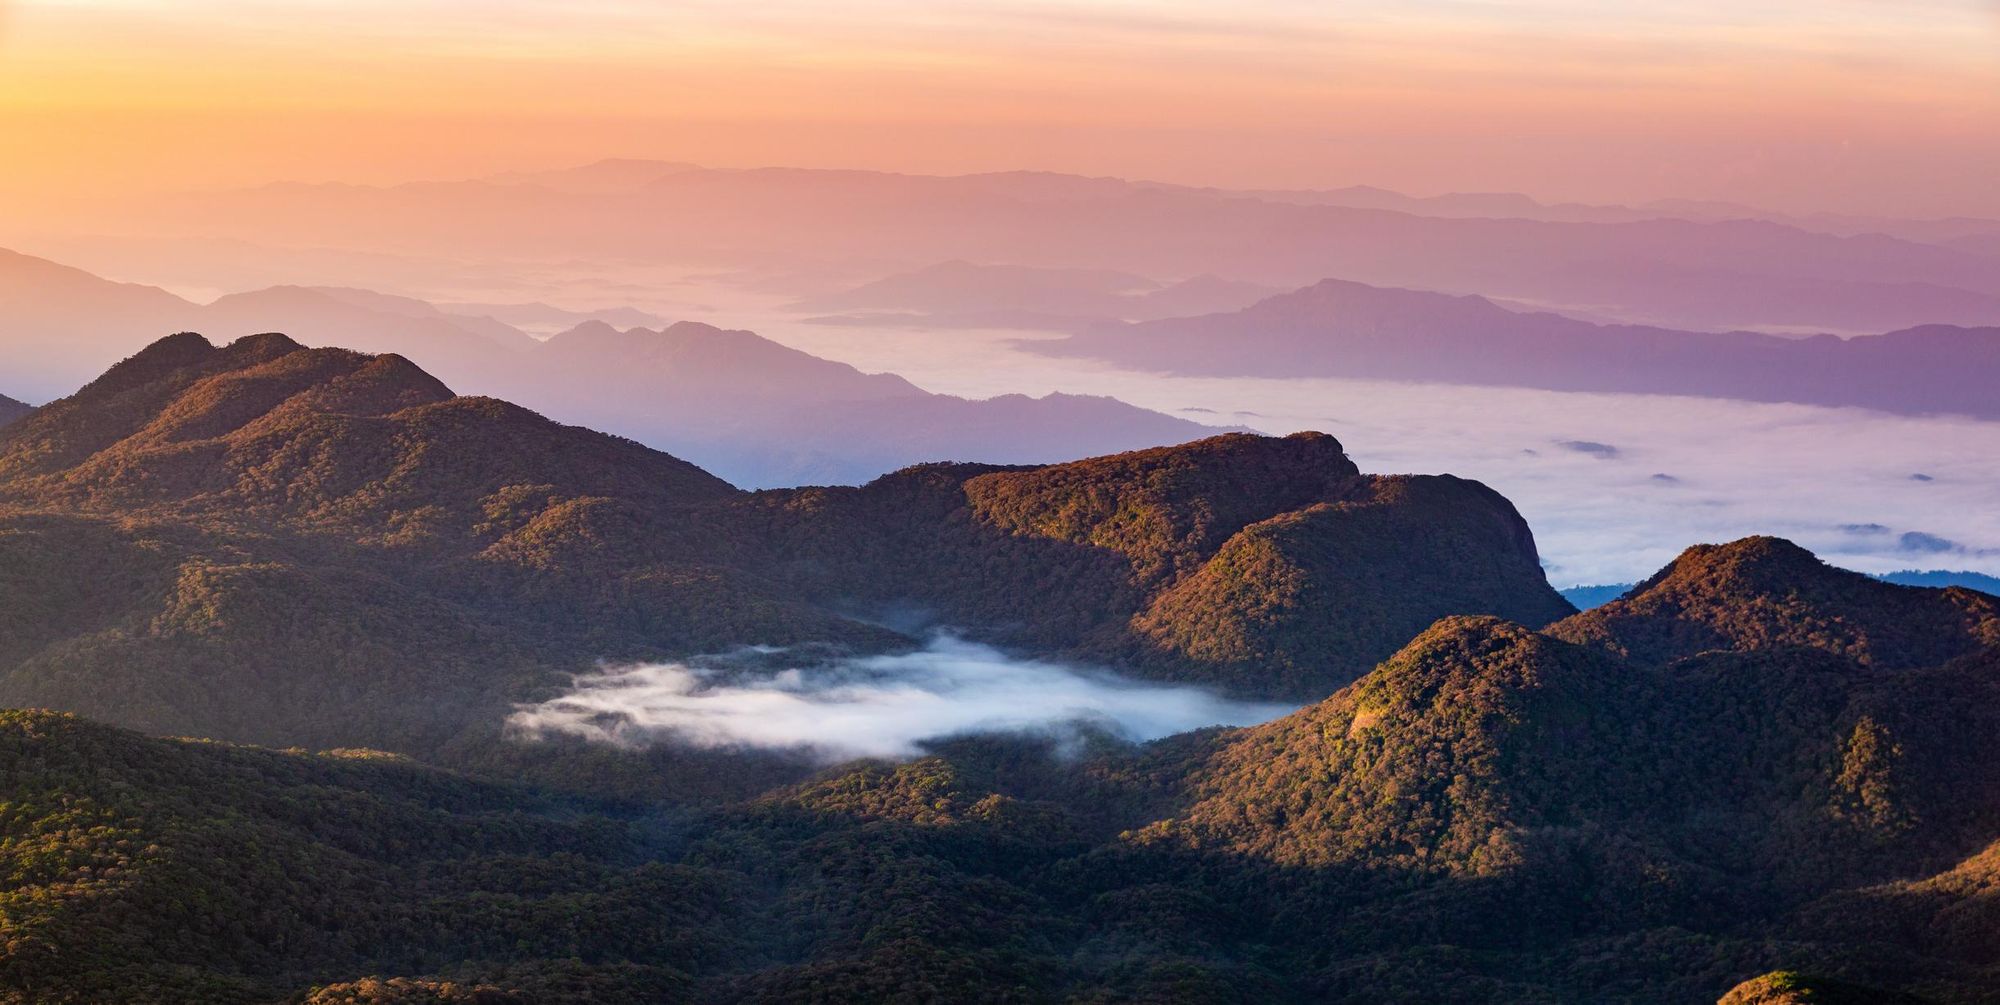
pixel 1820 476
pixel 870 706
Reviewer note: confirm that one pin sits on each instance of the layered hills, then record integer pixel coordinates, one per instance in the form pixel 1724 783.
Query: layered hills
pixel 764 415
pixel 1491 814
pixel 1754 776
pixel 964 294
pixel 1337 328
pixel 1700 271
pixel 266 542
pixel 755 412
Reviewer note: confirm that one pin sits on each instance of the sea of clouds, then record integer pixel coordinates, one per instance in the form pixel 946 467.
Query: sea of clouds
pixel 1614 485
pixel 870 706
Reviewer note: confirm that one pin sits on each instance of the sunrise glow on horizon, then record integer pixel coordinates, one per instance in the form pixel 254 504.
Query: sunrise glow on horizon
pixel 1854 106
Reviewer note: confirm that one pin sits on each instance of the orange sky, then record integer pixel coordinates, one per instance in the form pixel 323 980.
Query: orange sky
pixel 1861 105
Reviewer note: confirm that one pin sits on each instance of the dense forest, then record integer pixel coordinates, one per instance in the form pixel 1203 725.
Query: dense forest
pixel 1754 778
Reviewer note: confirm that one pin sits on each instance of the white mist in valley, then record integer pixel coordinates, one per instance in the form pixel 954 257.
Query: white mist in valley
pixel 871 706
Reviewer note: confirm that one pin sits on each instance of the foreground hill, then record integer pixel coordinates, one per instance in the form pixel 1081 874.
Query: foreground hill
pixel 270 543
pixel 1345 329
pixel 267 542
pixel 1265 566
pixel 1763 593
pixel 1492 814
pixel 1751 768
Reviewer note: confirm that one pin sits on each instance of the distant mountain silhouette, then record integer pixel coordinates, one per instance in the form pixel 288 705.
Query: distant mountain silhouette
pixel 960 294
pixel 374 321
pixel 611 175
pixel 65 325
pixel 1942 578
pixel 955 286
pixel 1516 206
pixel 1720 274
pixel 543 318
pixel 1336 328
pixel 753 411
pixel 765 415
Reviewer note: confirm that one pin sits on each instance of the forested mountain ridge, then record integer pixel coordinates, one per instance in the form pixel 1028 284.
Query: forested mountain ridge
pixel 1491 815
pixel 1753 763
pixel 1767 592
pixel 269 543
pixel 1262 566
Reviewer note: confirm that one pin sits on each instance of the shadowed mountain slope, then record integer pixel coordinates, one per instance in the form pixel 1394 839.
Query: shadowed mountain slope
pixel 316 545
pixel 1410 766
pixel 184 871
pixel 1491 814
pixel 1266 566
pixel 271 543
pixel 12 411
pixel 317 435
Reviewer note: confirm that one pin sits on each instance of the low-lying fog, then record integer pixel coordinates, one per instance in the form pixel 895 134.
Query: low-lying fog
pixel 1614 484
pixel 870 706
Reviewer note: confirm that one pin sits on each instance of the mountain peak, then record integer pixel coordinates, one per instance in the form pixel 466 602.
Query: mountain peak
pixel 689 329
pixel 1168 505
pixel 1766 592
pixel 185 351
pixel 592 329
pixel 1348 293
pixel 263 346
pixel 1432 727
pixel 264 426
pixel 1762 563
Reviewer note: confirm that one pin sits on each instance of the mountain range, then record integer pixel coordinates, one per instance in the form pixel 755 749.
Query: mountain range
pixel 1337 328
pixel 289 522
pixel 755 412
pixel 1514 205
pixel 764 415
pixel 1754 776
pixel 1752 763
pixel 962 293
pixel 1693 273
